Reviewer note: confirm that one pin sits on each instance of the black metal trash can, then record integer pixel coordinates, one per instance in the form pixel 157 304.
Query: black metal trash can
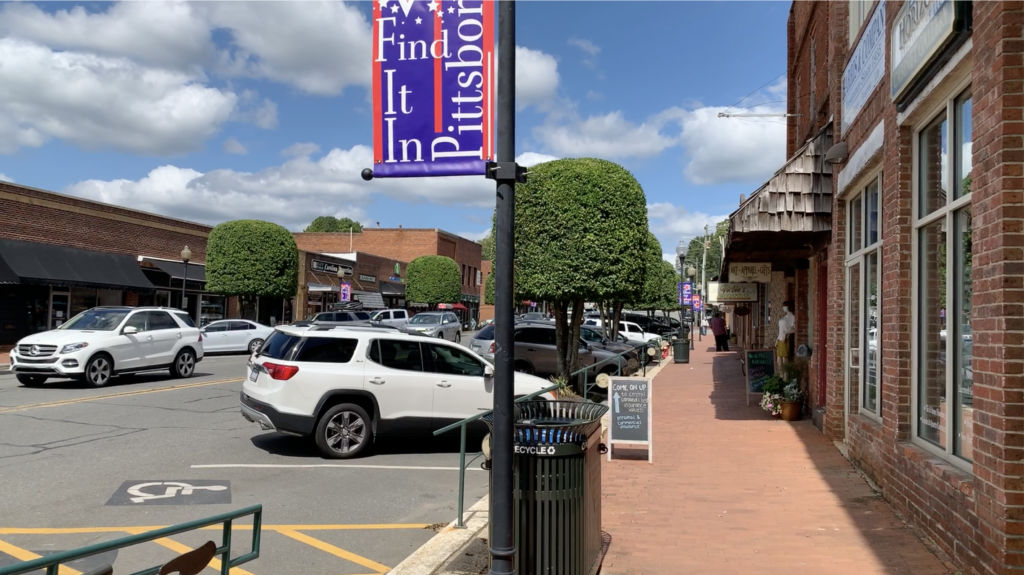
pixel 681 351
pixel 557 486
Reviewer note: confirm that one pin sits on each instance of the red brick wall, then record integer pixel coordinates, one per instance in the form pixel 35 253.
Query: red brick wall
pixel 808 90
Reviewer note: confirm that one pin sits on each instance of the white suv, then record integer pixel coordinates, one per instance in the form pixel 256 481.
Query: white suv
pixel 345 385
pixel 102 342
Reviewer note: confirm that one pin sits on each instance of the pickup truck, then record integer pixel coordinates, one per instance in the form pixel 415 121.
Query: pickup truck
pixel 394 317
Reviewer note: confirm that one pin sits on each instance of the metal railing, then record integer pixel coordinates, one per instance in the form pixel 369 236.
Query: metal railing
pixel 618 359
pixel 52 563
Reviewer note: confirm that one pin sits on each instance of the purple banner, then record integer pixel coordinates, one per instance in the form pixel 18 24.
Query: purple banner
pixel 433 72
pixel 687 290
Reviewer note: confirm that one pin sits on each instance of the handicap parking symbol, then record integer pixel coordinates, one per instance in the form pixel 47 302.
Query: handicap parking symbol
pixel 172 492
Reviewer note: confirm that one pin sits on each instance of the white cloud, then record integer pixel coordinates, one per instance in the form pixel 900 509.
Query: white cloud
pixel 233 146
pixel 733 149
pixel 608 136
pixel 162 34
pixel 533 158
pixel 94 102
pixel 672 221
pixel 536 78
pixel 300 149
pixel 320 48
pixel 5 178
pixel 587 46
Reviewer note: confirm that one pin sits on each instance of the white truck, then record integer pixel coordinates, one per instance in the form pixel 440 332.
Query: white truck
pixel 393 317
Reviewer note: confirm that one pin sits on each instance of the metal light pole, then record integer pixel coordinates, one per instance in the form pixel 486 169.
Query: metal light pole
pixel 186 254
pixel 691 272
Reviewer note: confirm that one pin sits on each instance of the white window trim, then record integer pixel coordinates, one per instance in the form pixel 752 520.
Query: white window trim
pixel 851 259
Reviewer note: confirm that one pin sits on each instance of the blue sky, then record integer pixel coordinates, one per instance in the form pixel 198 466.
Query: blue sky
pixel 215 111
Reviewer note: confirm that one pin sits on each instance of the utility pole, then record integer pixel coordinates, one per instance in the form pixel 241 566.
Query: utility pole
pixel 704 279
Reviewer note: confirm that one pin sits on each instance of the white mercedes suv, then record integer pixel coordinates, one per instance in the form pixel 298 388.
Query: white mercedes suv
pixel 343 386
pixel 102 342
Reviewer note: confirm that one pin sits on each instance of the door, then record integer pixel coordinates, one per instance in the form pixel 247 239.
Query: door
pixel 460 389
pixel 60 307
pixel 215 336
pixel 130 349
pixel 165 338
pixel 395 376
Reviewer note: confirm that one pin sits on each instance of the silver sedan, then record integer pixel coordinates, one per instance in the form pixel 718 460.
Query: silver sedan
pixel 228 335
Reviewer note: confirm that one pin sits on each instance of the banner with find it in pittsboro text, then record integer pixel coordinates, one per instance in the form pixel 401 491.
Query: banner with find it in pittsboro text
pixel 433 73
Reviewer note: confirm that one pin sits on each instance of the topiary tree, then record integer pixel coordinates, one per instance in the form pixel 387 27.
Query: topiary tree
pixel 252 257
pixel 333 224
pixel 580 234
pixel 433 280
pixel 489 289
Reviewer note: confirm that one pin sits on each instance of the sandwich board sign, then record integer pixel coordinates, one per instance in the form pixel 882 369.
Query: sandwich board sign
pixel 630 420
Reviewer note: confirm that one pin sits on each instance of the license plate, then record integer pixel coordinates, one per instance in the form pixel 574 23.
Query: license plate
pixel 254 373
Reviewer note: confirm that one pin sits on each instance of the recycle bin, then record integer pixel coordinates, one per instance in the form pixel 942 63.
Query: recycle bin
pixel 556 483
pixel 681 351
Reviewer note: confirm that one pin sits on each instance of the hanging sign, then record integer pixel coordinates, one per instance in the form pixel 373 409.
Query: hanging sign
pixel 687 291
pixel 433 73
pixel 696 302
pixel 345 292
pixel 741 272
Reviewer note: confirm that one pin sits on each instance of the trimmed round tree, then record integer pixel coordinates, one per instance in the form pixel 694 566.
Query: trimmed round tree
pixel 333 224
pixel 252 257
pixel 433 280
pixel 580 235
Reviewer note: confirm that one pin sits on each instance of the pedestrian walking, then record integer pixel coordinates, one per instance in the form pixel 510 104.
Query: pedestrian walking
pixel 718 328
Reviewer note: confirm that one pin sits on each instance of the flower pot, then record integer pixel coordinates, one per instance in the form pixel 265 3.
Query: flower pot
pixel 791 410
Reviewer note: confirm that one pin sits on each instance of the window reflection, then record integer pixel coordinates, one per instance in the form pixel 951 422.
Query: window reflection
pixel 871 374
pixel 932 334
pixel 933 167
pixel 964 343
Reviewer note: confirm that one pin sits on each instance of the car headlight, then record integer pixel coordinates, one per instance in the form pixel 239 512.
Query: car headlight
pixel 73 347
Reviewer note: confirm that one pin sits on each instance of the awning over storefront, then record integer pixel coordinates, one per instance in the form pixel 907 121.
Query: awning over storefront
pixel 790 216
pixel 392 289
pixel 196 272
pixel 39 263
pixel 321 287
pixel 369 299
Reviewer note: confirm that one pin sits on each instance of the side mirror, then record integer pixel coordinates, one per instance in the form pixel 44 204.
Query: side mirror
pixel 128 330
pixel 488 371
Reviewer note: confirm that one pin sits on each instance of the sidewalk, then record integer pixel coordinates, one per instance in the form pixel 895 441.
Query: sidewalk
pixel 731 490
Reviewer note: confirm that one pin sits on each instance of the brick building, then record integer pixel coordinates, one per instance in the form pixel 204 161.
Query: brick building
pixel 920 336
pixel 405 245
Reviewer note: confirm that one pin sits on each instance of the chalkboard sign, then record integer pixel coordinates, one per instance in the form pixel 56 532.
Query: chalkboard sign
pixel 630 415
pixel 760 364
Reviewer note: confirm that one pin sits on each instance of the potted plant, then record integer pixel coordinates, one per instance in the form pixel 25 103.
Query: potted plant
pixel 772 395
pixel 792 401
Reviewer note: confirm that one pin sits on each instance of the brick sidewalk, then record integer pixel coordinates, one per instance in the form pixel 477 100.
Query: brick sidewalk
pixel 733 490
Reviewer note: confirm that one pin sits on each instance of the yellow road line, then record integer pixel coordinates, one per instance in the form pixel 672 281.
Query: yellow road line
pixel 26 555
pixel 241 527
pixel 333 550
pixel 18 408
pixel 181 548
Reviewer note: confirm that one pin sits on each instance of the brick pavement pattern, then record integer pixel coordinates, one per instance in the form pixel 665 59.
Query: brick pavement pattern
pixel 734 490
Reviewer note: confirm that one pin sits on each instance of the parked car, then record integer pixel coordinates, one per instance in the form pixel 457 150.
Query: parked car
pixel 347 385
pixel 629 330
pixel 394 317
pixel 629 351
pixel 650 324
pixel 103 342
pixel 336 318
pixel 442 324
pixel 227 335
pixel 534 316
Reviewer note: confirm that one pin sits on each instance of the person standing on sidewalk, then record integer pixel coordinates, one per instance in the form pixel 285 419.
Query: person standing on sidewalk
pixel 717 324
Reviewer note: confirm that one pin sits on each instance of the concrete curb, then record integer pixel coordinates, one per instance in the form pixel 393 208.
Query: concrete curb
pixel 445 553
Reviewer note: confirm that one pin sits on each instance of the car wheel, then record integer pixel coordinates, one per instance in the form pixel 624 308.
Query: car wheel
pixel 98 370
pixel 184 364
pixel 344 431
pixel 254 345
pixel 458 337
pixel 31 380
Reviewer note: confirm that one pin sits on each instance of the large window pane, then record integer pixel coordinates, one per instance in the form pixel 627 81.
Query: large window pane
pixel 853 329
pixel 931 402
pixel 871 375
pixel 965 129
pixel 933 167
pixel 964 343
pixel 856 224
pixel 871 207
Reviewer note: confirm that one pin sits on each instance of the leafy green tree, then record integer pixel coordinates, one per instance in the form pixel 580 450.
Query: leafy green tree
pixel 252 257
pixel 649 297
pixel 489 289
pixel 333 224
pixel 487 246
pixel 580 228
pixel 433 280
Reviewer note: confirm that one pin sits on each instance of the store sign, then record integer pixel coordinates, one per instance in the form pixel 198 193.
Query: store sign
pixel 366 278
pixel 331 268
pixel 919 32
pixel 433 76
pixel 345 293
pixel 696 302
pixel 736 292
pixel 866 67
pixel 740 272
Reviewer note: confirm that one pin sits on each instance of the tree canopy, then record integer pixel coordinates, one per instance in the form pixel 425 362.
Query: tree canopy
pixel 333 224
pixel 252 257
pixel 433 280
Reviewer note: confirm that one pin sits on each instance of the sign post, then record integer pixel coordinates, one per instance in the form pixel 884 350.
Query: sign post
pixel 631 415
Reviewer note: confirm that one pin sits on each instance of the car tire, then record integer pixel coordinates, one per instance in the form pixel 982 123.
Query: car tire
pixel 99 370
pixel 458 337
pixel 254 345
pixel 30 380
pixel 344 431
pixel 184 364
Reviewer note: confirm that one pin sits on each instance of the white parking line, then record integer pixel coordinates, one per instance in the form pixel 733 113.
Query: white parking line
pixel 328 465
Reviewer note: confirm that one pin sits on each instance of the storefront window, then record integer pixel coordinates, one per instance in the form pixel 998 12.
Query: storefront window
pixel 864 323
pixel 944 376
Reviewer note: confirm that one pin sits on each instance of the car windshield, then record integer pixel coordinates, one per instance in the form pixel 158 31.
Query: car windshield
pixel 376 315
pixel 96 319
pixel 425 319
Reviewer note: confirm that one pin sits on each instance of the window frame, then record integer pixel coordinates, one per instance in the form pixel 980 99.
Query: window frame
pixel 947 215
pixel 859 252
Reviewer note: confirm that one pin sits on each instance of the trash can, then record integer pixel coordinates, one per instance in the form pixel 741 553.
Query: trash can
pixel 556 486
pixel 681 351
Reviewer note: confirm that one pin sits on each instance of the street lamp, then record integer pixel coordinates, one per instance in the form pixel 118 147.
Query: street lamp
pixel 186 254
pixel 691 272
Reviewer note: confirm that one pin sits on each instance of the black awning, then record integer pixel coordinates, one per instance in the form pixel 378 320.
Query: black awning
pixel 7 275
pixel 64 265
pixel 196 272
pixel 392 289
